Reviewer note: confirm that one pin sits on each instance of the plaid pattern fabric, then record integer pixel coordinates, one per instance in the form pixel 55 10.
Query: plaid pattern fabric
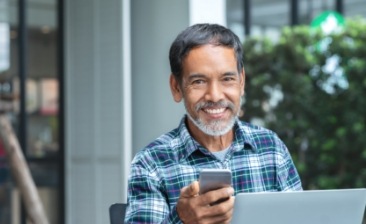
pixel 258 159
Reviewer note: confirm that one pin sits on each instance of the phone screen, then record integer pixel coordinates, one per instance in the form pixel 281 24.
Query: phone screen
pixel 213 179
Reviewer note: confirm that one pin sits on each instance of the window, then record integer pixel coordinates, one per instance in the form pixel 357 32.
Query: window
pixel 29 60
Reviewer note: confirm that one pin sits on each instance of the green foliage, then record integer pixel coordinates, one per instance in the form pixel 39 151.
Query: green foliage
pixel 310 89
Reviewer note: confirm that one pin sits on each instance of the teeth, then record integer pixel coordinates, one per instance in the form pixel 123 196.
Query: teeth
pixel 214 111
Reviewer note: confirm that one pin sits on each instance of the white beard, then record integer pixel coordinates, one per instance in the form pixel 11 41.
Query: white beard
pixel 215 128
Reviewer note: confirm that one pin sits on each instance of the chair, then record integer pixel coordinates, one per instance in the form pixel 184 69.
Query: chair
pixel 117 213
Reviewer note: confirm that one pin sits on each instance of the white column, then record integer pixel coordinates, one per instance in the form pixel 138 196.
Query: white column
pixel 98 117
pixel 155 24
pixel 207 11
pixel 127 96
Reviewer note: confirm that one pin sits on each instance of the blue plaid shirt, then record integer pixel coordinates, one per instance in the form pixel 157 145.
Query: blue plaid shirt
pixel 257 158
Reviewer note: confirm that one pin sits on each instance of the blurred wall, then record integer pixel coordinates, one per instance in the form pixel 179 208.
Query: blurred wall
pixel 154 25
pixel 96 108
pixel 117 92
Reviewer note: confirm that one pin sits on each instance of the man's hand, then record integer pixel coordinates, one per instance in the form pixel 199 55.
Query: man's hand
pixel 195 208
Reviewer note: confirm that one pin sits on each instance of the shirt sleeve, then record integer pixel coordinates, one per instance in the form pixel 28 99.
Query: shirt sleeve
pixel 287 176
pixel 146 199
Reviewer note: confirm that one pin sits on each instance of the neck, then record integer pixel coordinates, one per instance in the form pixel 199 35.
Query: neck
pixel 211 143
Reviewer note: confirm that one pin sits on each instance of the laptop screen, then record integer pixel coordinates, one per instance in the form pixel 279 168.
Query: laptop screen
pixel 344 206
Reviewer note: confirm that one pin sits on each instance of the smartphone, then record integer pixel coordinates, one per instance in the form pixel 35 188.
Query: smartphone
pixel 213 179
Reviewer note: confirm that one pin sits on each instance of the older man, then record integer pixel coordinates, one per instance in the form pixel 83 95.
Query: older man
pixel 208 76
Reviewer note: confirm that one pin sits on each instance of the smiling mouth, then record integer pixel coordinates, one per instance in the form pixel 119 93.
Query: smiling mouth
pixel 214 111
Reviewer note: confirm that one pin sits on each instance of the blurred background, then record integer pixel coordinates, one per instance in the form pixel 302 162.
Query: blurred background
pixel 85 84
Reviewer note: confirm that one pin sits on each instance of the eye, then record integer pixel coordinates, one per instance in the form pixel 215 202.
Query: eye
pixel 198 82
pixel 229 79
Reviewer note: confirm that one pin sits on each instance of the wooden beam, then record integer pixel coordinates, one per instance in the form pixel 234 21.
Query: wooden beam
pixel 21 173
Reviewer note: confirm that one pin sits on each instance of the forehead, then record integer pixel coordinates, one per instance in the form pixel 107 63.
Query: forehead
pixel 210 57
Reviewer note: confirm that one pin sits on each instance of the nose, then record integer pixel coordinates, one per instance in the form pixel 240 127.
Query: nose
pixel 214 92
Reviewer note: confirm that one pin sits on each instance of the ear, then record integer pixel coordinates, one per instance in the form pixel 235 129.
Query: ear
pixel 242 82
pixel 175 88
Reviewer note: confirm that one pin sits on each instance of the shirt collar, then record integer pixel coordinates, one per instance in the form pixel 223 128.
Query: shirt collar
pixel 241 140
pixel 188 143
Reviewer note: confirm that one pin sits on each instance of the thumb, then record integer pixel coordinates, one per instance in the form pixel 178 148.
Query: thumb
pixel 190 191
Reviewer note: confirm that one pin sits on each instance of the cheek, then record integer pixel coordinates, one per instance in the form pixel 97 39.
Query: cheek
pixel 190 105
pixel 235 94
pixel 192 98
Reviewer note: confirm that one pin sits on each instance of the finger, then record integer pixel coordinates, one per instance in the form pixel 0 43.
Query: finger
pixel 190 191
pixel 220 213
pixel 216 195
pixel 221 219
pixel 223 207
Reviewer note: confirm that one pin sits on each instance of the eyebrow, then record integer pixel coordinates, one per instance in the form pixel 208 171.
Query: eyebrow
pixel 199 75
pixel 230 74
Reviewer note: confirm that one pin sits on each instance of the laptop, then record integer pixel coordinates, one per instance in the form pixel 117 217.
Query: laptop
pixel 346 206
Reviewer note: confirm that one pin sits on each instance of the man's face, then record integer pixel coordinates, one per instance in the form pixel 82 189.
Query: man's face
pixel 211 89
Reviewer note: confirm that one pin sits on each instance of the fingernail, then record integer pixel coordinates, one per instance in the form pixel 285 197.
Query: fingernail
pixel 230 191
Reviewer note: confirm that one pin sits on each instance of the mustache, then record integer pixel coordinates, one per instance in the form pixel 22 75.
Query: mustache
pixel 221 103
